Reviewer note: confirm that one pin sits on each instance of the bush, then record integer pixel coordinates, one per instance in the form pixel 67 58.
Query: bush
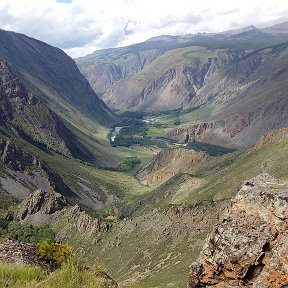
pixel 211 149
pixel 29 234
pixel 111 218
pixel 59 253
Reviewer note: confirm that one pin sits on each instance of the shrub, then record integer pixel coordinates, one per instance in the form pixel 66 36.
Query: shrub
pixel 111 218
pixel 60 253
pixel 29 234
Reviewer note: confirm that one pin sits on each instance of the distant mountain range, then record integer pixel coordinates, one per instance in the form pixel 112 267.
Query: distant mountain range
pixel 234 79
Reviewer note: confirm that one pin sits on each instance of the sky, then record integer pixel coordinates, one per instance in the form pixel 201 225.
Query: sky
pixel 80 27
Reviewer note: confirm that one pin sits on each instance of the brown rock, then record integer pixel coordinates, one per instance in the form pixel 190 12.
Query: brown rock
pixel 43 201
pixel 169 162
pixel 23 253
pixel 248 247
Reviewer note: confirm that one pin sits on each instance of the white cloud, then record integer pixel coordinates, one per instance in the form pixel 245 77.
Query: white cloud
pixel 82 26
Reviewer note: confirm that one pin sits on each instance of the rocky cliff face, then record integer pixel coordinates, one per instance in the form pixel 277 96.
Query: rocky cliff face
pixel 22 172
pixel 239 130
pixel 237 91
pixel 247 246
pixel 42 207
pixel 102 71
pixel 75 217
pixel 168 163
pixel 172 88
pixel 29 118
pixel 15 157
pixel 43 202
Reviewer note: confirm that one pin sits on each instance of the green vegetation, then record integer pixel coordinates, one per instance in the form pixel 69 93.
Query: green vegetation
pixel 213 150
pixel 85 179
pixel 30 234
pixel 59 253
pixel 111 218
pixel 17 276
pixel 69 276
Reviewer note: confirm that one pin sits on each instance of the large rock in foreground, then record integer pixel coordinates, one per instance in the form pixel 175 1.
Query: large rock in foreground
pixel 248 247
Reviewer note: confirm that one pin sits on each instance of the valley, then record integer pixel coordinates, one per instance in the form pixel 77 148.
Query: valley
pixel 139 166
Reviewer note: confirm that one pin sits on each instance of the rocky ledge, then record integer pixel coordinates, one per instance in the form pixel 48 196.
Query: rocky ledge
pixel 39 206
pixel 248 246
pixel 23 253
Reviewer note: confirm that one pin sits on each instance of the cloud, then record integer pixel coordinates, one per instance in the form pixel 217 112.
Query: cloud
pixel 83 26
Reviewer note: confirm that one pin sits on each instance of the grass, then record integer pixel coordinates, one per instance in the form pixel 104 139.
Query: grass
pixel 156 132
pixel 100 182
pixel 69 276
pixel 19 276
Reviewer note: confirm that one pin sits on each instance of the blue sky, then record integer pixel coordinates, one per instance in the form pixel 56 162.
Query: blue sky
pixel 80 27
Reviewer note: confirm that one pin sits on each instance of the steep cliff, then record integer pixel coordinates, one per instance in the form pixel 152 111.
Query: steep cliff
pixel 238 98
pixel 169 82
pixel 104 68
pixel 247 246
pixel 49 207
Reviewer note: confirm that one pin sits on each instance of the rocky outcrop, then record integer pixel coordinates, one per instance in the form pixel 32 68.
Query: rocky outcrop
pixel 23 253
pixel 47 207
pixel 85 224
pixel 246 247
pixel 168 163
pixel 174 88
pixel 24 172
pixel 238 130
pixel 41 201
pixel 15 157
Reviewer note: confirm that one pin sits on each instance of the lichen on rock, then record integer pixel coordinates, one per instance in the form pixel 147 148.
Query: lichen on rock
pixel 247 246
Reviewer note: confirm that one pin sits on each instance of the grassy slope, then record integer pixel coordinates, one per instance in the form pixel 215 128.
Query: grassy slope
pixel 101 182
pixel 25 276
pixel 136 240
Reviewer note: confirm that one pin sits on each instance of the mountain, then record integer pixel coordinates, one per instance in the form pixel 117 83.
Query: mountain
pixel 105 68
pixel 24 113
pixel 241 101
pixel 53 129
pixel 53 76
pixel 234 82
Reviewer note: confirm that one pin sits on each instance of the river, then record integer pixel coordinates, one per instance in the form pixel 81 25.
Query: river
pixel 115 132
